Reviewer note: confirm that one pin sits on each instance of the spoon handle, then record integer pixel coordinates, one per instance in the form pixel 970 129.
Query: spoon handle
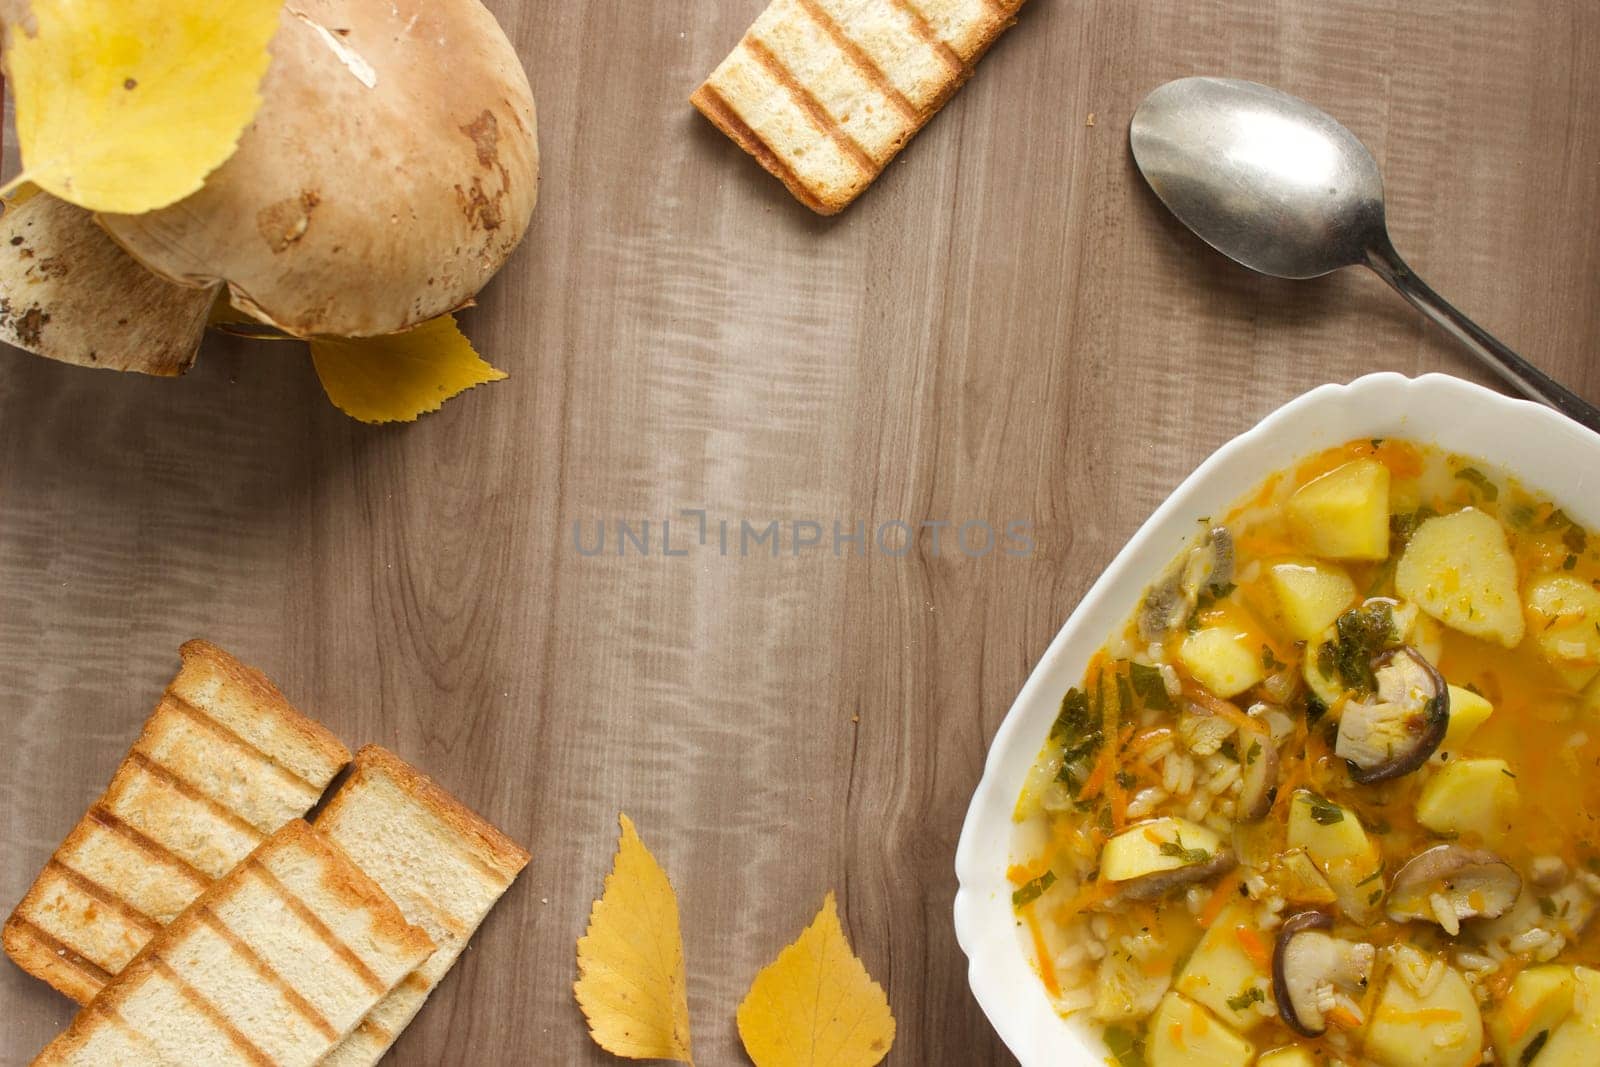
pixel 1517 372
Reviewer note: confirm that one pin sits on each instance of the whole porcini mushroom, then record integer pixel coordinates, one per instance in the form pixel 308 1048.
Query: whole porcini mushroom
pixel 389 173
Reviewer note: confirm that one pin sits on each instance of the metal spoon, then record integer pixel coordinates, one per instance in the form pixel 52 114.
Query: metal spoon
pixel 1272 182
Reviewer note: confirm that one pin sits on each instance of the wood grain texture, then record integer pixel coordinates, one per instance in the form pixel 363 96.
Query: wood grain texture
pixel 1005 326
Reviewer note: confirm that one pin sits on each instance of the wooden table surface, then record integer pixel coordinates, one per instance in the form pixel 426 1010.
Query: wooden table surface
pixel 1007 327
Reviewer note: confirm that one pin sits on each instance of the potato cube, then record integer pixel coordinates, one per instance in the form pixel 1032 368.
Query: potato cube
pixel 1537 1002
pixel 1426 635
pixel 1311 595
pixel 1326 831
pixel 1442 1029
pixel 1565 614
pixel 1301 882
pixel 1468 711
pixel 1124 990
pixel 1458 568
pixel 1470 796
pixel 1590 702
pixel 1292 1056
pixel 1183 1034
pixel 1573 1042
pixel 1326 688
pixel 1224 659
pixel 1221 970
pixel 1345 513
pixel 1154 846
pixel 1340 847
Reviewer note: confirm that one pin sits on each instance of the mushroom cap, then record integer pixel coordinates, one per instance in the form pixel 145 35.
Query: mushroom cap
pixel 67 292
pixel 1259 775
pixel 1306 962
pixel 1208 564
pixel 390 172
pixel 1470 883
pixel 1395 734
pixel 1160 883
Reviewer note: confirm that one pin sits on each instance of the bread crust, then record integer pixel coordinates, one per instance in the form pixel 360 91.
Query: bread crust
pixel 45 958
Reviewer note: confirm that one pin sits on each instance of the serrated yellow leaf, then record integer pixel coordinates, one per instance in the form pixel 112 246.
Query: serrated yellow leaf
pixel 816 1005
pixel 127 105
pixel 395 378
pixel 631 983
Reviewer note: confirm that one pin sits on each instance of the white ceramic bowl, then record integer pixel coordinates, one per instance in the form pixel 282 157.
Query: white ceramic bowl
pixel 1548 453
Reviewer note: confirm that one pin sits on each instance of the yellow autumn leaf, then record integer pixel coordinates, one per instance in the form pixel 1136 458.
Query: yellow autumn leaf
pixel 127 105
pixel 20 192
pixel 631 983
pixel 229 319
pixel 396 377
pixel 816 1004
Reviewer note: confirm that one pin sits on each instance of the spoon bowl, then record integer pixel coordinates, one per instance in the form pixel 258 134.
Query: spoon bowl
pixel 1281 187
pixel 1261 176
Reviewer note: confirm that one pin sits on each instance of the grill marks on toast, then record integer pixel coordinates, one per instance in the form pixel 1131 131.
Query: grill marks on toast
pixel 224 733
pixel 947 55
pixel 303 1007
pixel 179 784
pixel 711 104
pixel 823 93
pixel 212 986
pixel 221 763
pixel 198 916
pixel 53 961
pixel 442 864
pixel 242 700
pixel 103 817
pixel 175 821
pixel 811 105
pixel 857 58
pixel 197 1001
pixel 345 954
pixel 125 863
pixel 183 720
pixel 82 883
pixel 969 27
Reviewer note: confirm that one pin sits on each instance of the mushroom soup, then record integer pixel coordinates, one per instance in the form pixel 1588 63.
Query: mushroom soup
pixel 1330 796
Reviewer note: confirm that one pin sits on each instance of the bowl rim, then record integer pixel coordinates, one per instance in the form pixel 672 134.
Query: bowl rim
pixel 1531 442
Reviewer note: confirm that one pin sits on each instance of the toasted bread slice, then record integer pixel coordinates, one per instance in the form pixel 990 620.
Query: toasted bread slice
pixel 823 93
pixel 443 865
pixel 272 965
pixel 222 763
